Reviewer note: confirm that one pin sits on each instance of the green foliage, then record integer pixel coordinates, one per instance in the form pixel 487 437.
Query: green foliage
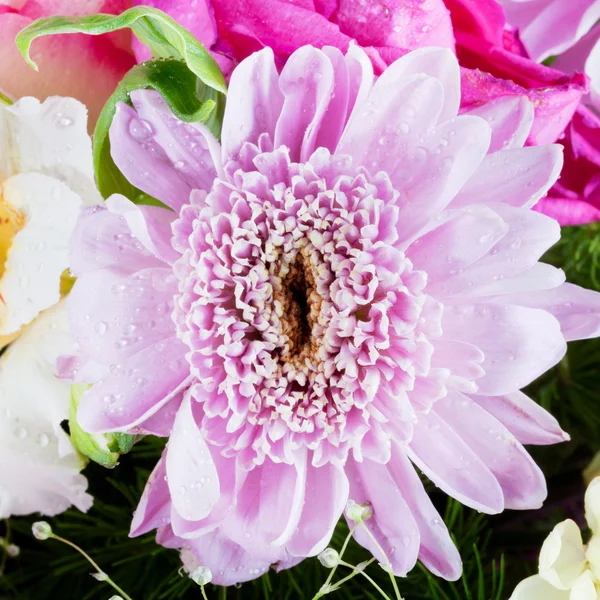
pixel 5 100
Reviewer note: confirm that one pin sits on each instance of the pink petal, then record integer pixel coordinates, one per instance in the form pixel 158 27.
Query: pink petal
pixel 161 422
pixel 484 19
pixel 154 507
pixel 399 24
pixel 269 507
pixel 392 523
pixel 248 25
pixel 135 390
pixel 336 114
pixel 387 95
pixel 519 344
pixel 519 177
pixel 143 161
pixel 466 236
pixel 190 147
pixel 229 563
pixel 254 103
pixel 231 479
pixel 549 27
pixel 577 309
pixel 97 234
pixel 192 476
pixel 151 225
pixel 448 461
pixel 521 479
pixel 130 313
pixel 437 551
pixel 528 235
pixel 524 418
pixel 569 211
pixel 555 96
pixel 318 520
pixel 307 84
pixel 510 118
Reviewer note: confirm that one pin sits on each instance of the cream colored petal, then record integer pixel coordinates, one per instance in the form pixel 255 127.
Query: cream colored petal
pixel 536 588
pixel 592 505
pixel 40 469
pixel 592 554
pixel 562 558
pixel 584 588
pixel 49 138
pixel 39 251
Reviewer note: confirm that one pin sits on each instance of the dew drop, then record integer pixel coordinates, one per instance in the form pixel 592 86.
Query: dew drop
pixel 43 440
pixel 109 399
pixel 21 433
pixel 101 328
pixel 63 121
pixel 140 130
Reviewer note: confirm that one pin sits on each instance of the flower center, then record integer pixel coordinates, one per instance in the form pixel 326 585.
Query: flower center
pixel 300 304
pixel 11 222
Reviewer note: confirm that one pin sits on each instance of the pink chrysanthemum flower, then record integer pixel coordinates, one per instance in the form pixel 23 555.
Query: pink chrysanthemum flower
pixel 346 286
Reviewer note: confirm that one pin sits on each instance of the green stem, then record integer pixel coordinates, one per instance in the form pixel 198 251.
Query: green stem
pixel 388 565
pixel 95 565
pixel 332 572
pixel 5 548
pixel 368 577
pixel 203 592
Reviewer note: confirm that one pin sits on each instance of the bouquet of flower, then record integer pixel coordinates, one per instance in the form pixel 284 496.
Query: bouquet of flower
pixel 284 295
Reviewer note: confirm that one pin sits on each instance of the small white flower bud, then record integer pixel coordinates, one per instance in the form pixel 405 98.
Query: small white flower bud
pixel 329 558
pixel 201 575
pixel 100 576
pixel 41 530
pixel 359 512
pixel 115 598
pixel 13 551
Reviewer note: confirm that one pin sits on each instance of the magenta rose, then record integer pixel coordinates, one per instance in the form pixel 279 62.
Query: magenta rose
pixel 494 62
pixel 551 27
pixel 85 67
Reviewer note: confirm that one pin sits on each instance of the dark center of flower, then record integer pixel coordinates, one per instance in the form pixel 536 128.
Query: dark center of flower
pixel 300 304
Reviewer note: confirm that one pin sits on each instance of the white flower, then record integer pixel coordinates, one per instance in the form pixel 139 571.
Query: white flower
pixel 568 569
pixel 46 176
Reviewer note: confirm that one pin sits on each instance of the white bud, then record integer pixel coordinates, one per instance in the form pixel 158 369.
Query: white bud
pixel 41 530
pixel 115 598
pixel 359 512
pixel 329 558
pixel 13 551
pixel 201 575
pixel 100 576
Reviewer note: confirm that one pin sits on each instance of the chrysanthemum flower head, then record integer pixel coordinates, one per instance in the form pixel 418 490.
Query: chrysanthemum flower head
pixel 346 286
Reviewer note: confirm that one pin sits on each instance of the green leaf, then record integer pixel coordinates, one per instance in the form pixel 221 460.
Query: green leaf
pixel 5 99
pixel 162 34
pixel 189 99
pixel 102 448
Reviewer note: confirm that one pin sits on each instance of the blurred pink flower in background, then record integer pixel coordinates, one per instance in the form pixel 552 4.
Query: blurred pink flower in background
pixel 84 67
